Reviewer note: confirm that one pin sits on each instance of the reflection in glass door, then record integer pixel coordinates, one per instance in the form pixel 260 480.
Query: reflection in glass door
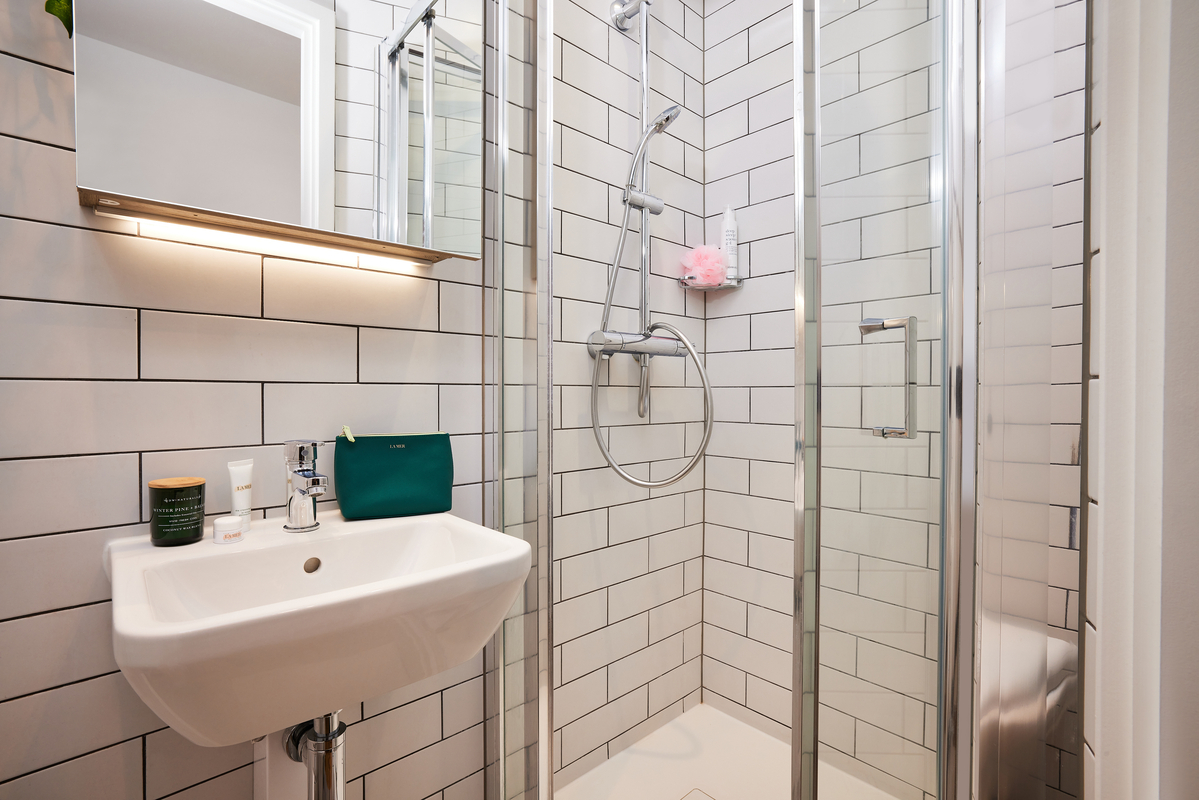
pixel 882 407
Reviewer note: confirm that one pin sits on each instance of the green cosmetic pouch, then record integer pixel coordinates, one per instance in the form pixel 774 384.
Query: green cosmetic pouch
pixel 393 474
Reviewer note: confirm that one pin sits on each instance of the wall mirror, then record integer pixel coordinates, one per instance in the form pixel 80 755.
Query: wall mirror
pixel 361 127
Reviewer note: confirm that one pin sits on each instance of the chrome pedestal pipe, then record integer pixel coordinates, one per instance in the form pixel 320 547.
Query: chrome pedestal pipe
pixel 320 745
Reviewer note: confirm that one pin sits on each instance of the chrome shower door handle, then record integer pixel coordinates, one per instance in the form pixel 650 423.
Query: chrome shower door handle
pixel 874 325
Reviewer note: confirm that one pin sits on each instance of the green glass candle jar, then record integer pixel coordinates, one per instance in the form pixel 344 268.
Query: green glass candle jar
pixel 176 511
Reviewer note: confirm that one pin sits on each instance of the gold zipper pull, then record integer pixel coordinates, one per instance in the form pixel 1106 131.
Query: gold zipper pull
pixel 346 430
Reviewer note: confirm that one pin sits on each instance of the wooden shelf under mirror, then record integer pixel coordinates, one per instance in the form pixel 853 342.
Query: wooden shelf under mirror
pixel 154 210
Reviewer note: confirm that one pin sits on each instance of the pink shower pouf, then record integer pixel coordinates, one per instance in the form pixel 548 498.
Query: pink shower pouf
pixel 704 266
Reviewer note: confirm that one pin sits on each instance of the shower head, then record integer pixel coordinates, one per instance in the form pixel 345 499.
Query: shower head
pixel 660 123
pixel 663 120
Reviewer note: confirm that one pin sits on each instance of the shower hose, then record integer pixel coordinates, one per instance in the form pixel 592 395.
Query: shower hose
pixel 656 326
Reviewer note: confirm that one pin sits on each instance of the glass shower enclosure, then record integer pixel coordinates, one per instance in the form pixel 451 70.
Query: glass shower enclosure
pixel 806 582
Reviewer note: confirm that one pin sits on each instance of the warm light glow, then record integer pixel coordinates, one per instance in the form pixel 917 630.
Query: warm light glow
pixel 215 237
pixel 381 263
pixel 262 245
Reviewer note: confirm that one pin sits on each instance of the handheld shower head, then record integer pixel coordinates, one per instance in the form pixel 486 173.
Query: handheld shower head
pixel 663 120
pixel 659 124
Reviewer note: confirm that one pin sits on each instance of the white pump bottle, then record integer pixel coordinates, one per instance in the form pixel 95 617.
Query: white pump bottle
pixel 729 244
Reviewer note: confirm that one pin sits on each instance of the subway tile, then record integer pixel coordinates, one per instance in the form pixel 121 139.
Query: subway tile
pixel 465 671
pixel 580 697
pixel 78 569
pixel 727 544
pixel 881 707
pixel 875 107
pixel 897 756
pixel 748 584
pixel 29 33
pixel 417 356
pixel 365 408
pixel 873 23
pixel 724 680
pixel 580 615
pixel 901 671
pixel 55 649
pixel 590 571
pixel 748 655
pixel 638 443
pixel 839 79
pixel 771 627
pixel 40 182
pixel 114 773
pixel 771 554
pixel 579 110
pixel 900 54
pixel 894 539
pixel 381 739
pixel 902 496
pixel 590 489
pixel 675 616
pixel 726 56
pixel 763 515
pixel 579 533
pixel 204 347
pixel 68 341
pixel 585 734
pixel 764 442
pixel 108 269
pixel 638 520
pixel 62 723
pixel 898 143
pixel 675 547
pixel 268 479
pixel 173 763
pixel 427 771
pixel 59 416
pixel 581 28
pixel 874 620
pixel 673 686
pixel 725 612
pixel 875 192
pixel 40 102
pixel 771 33
pixel 755 149
pixel 900 584
pixel 771 107
pixel 235 785
pixel 768 699
pixel 590 652
pixel 309 292
pixel 645 592
pixel 639 668
pixel 105 492
pixel 736 16
pixel 901 231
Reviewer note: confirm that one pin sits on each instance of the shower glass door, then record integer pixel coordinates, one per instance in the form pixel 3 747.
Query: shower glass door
pixel 881 415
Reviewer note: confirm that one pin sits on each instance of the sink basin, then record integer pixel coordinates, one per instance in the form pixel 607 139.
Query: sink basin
pixel 230 642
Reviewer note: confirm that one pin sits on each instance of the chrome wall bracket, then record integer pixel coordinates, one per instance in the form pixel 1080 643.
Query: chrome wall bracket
pixel 876 325
pixel 320 745
pixel 623 12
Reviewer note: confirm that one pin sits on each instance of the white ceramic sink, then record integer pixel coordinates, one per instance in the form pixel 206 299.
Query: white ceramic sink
pixel 229 642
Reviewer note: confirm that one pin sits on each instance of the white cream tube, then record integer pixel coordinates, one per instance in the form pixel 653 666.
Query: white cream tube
pixel 239 479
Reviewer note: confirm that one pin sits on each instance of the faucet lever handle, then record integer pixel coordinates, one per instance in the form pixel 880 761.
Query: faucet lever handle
pixel 300 450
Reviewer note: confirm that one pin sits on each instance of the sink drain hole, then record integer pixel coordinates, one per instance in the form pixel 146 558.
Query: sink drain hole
pixel 312 565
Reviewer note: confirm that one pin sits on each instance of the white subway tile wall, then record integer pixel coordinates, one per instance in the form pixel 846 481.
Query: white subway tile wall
pixel 628 608
pixel 129 357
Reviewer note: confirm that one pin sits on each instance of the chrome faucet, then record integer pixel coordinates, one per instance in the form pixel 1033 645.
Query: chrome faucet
pixel 304 484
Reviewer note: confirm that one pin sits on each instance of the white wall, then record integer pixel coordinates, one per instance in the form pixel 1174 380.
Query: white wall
pixel 1180 515
pixel 1140 702
pixel 131 357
